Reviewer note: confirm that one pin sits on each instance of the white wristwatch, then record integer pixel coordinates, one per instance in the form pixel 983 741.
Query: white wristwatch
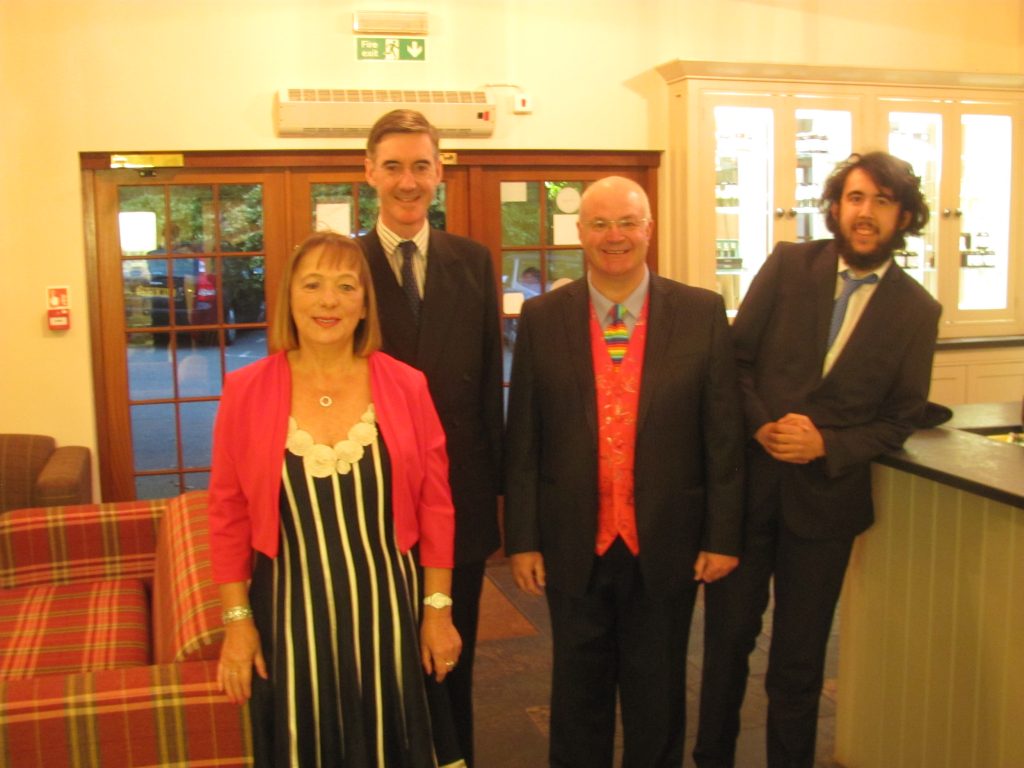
pixel 437 600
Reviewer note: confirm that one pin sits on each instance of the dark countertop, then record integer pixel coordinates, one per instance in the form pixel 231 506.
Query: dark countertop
pixel 967 459
pixel 978 342
pixel 986 418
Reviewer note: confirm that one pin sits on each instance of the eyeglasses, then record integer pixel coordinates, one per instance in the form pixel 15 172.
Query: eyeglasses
pixel 627 226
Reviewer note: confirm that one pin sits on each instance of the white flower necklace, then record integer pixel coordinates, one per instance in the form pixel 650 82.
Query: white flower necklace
pixel 321 460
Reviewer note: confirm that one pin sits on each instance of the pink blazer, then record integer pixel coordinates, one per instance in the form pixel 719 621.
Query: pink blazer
pixel 248 451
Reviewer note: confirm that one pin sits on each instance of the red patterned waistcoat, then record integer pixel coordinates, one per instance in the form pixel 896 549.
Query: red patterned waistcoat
pixel 618 398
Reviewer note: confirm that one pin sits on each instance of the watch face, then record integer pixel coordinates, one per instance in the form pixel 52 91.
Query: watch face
pixel 437 600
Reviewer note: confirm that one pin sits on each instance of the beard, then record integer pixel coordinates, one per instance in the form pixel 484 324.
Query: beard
pixel 866 262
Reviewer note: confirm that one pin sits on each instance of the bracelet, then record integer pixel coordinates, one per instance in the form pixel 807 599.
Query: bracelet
pixel 237 613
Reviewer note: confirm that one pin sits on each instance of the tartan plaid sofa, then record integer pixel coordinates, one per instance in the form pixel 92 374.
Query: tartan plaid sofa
pixel 109 635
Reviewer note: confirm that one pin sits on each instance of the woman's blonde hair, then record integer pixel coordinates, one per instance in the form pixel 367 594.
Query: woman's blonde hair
pixel 335 251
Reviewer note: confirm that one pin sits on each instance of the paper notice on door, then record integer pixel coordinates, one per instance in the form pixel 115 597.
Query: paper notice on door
pixel 334 217
pixel 565 229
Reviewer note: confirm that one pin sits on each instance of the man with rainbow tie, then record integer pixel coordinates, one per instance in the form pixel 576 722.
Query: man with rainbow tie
pixel 623 481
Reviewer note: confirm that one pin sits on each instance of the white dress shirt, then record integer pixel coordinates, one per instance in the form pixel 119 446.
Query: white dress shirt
pixel 854 309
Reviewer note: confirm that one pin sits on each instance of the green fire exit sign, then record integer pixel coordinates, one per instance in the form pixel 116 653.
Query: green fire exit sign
pixel 391 48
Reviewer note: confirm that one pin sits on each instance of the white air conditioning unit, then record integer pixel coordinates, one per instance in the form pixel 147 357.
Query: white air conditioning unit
pixel 322 112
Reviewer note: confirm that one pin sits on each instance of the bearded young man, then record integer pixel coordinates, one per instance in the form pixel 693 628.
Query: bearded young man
pixel 834 346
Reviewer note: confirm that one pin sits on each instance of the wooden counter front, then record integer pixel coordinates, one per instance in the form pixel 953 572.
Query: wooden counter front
pixel 931 641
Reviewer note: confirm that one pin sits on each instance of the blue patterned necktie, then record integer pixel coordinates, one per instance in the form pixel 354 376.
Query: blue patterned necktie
pixel 850 284
pixel 412 291
pixel 616 336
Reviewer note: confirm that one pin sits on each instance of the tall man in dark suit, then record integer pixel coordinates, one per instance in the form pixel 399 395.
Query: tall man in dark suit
pixel 437 300
pixel 834 347
pixel 623 491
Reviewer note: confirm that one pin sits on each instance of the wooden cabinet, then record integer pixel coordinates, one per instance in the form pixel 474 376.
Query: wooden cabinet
pixel 994 375
pixel 965 148
pixel 750 146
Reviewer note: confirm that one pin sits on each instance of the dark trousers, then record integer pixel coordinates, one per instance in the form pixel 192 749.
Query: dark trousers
pixel 620 637
pixel 808 576
pixel 467 585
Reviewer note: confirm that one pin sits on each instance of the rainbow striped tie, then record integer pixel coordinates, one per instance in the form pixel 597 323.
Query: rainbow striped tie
pixel 616 336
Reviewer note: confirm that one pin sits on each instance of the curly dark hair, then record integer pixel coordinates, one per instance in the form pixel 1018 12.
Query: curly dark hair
pixel 887 172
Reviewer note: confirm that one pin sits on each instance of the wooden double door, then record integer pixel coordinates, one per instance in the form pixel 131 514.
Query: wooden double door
pixel 185 262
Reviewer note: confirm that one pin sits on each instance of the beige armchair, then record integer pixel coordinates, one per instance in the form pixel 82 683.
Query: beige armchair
pixel 34 472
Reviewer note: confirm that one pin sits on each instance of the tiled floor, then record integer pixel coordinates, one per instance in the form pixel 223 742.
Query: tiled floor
pixel 513 670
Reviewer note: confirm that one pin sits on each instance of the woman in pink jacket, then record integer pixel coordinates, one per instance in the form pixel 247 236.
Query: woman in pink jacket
pixel 329 479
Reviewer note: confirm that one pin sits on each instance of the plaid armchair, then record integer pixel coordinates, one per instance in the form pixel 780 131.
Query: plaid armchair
pixel 109 635
pixel 34 472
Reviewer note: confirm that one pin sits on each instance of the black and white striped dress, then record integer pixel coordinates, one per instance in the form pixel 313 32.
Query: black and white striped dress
pixel 335 614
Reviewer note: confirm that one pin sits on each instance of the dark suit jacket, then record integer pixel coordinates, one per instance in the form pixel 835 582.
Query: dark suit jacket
pixel 688 480
pixel 458 346
pixel 867 405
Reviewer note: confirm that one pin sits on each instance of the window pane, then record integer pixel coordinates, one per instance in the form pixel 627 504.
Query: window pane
pixel 157 486
pixel 369 207
pixel 564 266
pixel 141 220
pixel 241 217
pixel 154 437
pixel 437 213
pixel 823 140
pixel 563 211
pixel 191 219
pixel 140 293
pixel 520 213
pixel 242 279
pixel 195 291
pixel 197 432
pixel 521 275
pixel 196 481
pixel 917 138
pixel 150 376
pixel 985 202
pixel 250 344
pixel 146 296
pixel 744 152
pixel 199 373
pixel 179 287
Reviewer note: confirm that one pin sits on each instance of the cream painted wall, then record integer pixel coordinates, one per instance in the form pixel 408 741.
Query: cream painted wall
pixel 199 74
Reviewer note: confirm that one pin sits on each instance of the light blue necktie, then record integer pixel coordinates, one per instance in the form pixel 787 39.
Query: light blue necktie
pixel 850 284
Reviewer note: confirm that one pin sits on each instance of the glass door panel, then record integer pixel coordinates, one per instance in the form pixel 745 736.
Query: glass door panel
pixel 539 214
pixel 917 138
pixel 539 245
pixel 985 189
pixel 824 138
pixel 744 202
pixel 192 274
